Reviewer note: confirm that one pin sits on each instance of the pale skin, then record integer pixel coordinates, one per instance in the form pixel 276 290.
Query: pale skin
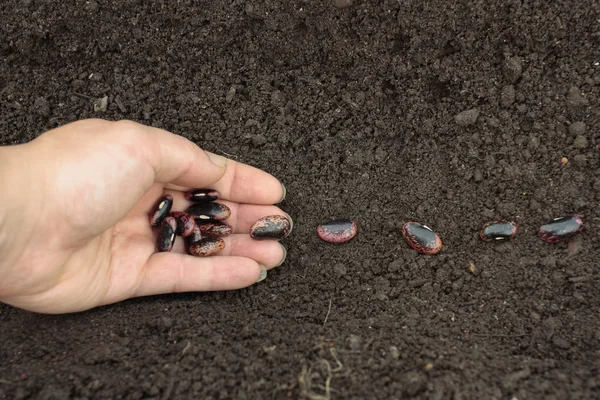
pixel 74 217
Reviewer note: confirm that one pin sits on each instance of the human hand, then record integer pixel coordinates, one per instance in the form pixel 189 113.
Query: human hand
pixel 74 217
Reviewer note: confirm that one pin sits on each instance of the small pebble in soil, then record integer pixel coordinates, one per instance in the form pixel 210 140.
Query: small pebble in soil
pixel 206 247
pixel 41 106
pixel 560 229
pixel 578 128
pixel 421 238
pixel 337 231
pixel 342 3
pixel 166 234
pixel 271 227
pixel 214 229
pixel 185 223
pixel 498 230
pixel 580 142
pixel 468 117
pixel 202 195
pixel 161 210
pixel 209 211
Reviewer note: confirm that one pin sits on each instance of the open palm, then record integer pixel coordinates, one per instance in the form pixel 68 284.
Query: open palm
pixel 75 230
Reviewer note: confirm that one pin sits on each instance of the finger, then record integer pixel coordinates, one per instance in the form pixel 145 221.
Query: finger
pixel 243 183
pixel 176 273
pixel 242 217
pixel 266 252
pixel 177 160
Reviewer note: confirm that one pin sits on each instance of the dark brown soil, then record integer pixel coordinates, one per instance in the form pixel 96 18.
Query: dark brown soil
pixel 354 110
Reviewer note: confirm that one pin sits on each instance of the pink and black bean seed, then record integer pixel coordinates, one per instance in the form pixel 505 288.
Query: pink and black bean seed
pixel 161 210
pixel 166 234
pixel 213 228
pixel 206 247
pixel 185 223
pixel 337 231
pixel 209 211
pixel 196 235
pixel 498 230
pixel 275 227
pixel 202 195
pixel 421 238
pixel 561 229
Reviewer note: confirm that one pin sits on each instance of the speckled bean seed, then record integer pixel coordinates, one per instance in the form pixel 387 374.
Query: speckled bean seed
pixel 337 231
pixel 185 223
pixel 498 230
pixel 214 228
pixel 202 195
pixel 161 210
pixel 166 234
pixel 271 227
pixel 560 229
pixel 196 235
pixel 209 211
pixel 206 247
pixel 421 238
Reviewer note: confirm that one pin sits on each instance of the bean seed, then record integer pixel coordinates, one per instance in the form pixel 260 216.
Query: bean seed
pixel 196 235
pixel 209 211
pixel 166 234
pixel 421 238
pixel 560 229
pixel 213 229
pixel 337 231
pixel 271 227
pixel 206 247
pixel 498 230
pixel 202 195
pixel 185 223
pixel 161 210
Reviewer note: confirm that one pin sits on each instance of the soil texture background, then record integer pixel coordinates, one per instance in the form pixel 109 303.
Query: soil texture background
pixel 448 112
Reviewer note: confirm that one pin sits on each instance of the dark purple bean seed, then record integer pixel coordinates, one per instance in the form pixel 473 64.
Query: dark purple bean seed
pixel 498 230
pixel 196 235
pixel 161 210
pixel 214 228
pixel 202 195
pixel 209 211
pixel 166 234
pixel 185 223
pixel 337 231
pixel 560 229
pixel 206 247
pixel 271 227
pixel 421 238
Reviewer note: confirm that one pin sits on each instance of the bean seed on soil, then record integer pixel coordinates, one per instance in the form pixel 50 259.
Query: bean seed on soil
pixel 202 195
pixel 185 223
pixel 271 227
pixel 214 229
pixel 560 229
pixel 206 247
pixel 421 238
pixel 209 211
pixel 161 210
pixel 166 234
pixel 498 230
pixel 337 231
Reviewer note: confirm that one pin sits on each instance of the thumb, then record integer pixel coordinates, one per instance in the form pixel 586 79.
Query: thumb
pixel 178 161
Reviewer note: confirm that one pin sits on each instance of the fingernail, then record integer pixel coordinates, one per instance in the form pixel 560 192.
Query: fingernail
pixel 284 193
pixel 284 255
pixel 216 159
pixel 263 273
pixel 291 223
